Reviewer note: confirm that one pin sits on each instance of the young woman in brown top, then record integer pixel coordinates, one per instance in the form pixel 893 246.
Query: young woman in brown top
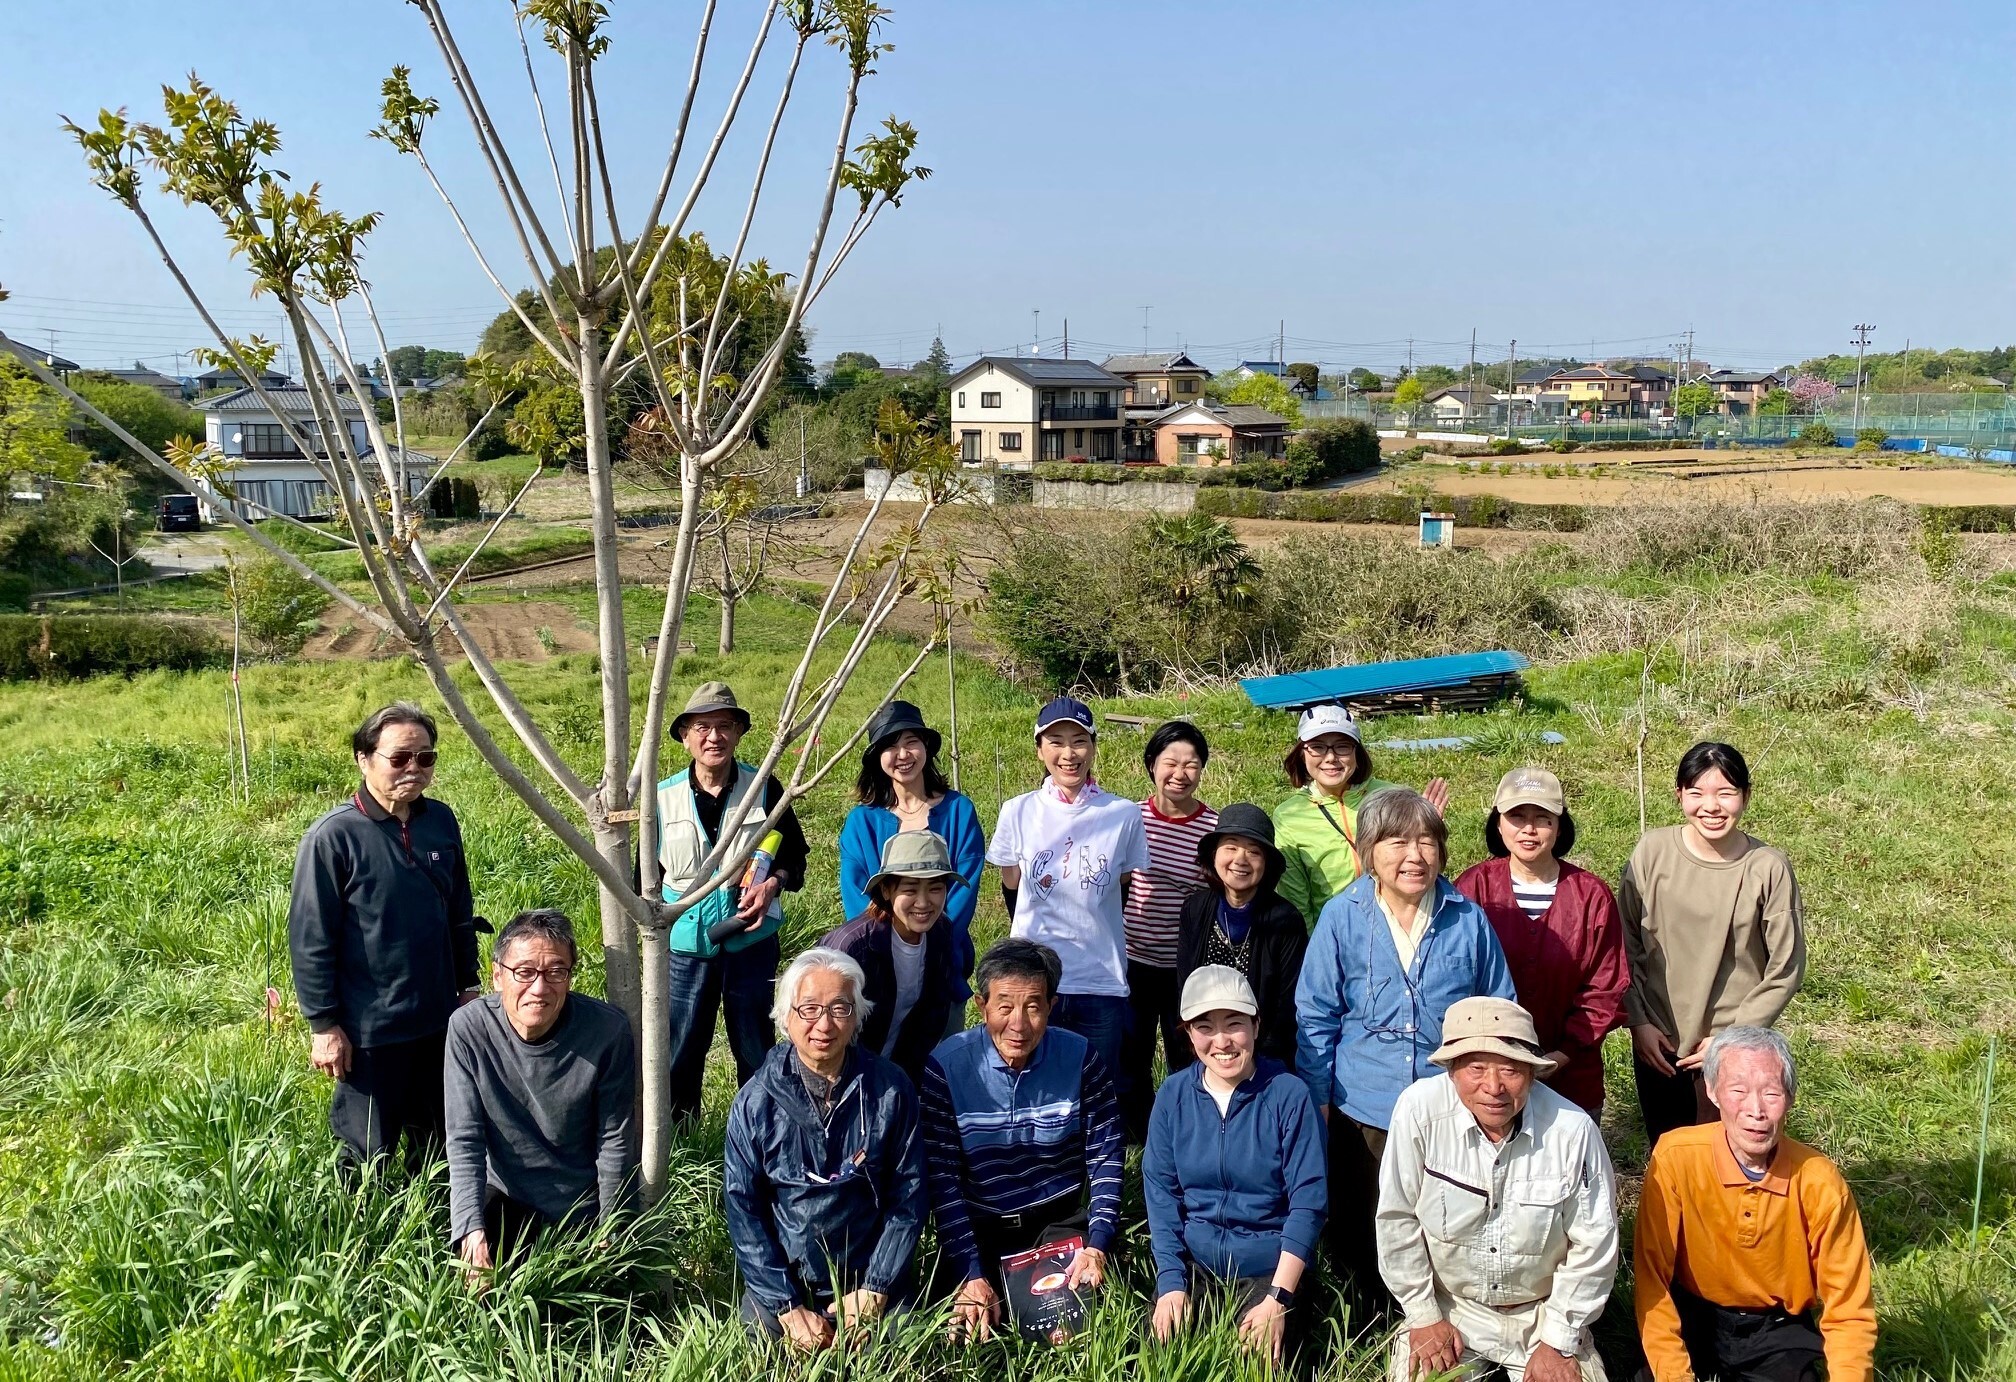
pixel 1713 934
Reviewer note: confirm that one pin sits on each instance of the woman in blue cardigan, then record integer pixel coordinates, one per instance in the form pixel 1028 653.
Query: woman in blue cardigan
pixel 1389 955
pixel 900 788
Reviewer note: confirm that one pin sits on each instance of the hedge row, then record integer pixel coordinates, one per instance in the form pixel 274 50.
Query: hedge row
pixel 62 646
pixel 1489 511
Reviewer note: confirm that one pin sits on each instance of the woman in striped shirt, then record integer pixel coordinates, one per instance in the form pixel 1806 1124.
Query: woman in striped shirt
pixel 1176 822
pixel 1559 927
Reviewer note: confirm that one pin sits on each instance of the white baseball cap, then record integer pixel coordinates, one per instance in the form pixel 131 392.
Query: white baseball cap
pixel 1212 987
pixel 1319 720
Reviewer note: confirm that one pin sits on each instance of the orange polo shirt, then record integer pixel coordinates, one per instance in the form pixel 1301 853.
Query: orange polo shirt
pixel 1793 1240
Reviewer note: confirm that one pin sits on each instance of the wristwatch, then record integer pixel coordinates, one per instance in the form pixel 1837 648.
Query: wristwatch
pixel 1281 1296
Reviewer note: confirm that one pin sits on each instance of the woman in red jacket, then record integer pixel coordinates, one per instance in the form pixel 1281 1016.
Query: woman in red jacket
pixel 1559 927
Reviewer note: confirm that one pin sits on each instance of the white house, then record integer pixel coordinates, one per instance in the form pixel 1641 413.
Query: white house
pixel 268 471
pixel 1016 410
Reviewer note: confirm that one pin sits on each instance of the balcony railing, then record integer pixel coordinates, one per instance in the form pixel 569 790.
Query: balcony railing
pixel 1080 412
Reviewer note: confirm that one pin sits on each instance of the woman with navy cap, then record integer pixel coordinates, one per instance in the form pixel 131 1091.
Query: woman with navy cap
pixel 901 788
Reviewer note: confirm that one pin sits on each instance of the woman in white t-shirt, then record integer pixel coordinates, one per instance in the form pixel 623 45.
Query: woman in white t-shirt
pixel 1066 852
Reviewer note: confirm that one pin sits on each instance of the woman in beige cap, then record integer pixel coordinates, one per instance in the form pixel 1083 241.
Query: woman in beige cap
pixel 1558 924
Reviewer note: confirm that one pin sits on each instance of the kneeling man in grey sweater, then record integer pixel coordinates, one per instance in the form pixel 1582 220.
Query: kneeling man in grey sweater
pixel 539 1083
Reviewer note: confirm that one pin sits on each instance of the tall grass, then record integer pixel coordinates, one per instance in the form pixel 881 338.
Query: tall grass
pixel 168 1202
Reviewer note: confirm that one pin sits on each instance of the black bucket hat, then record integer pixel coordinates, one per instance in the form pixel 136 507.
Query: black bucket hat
pixel 898 717
pixel 1248 822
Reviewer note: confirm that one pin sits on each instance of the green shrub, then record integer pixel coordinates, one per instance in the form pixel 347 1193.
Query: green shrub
pixel 455 496
pixel 1817 434
pixel 1506 446
pixel 1561 446
pixel 1873 436
pixel 62 646
pixel 14 590
pixel 278 608
pixel 1332 448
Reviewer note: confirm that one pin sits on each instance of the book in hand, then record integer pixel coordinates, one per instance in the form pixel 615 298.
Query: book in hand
pixel 1040 1306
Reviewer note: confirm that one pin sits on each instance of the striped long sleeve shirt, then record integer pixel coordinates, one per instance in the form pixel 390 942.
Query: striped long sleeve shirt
pixel 999 1141
pixel 1155 901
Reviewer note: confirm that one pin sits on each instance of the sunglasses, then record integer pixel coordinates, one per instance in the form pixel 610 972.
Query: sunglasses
pixel 402 759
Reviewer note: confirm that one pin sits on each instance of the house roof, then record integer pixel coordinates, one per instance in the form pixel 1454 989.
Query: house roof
pixel 153 379
pixel 1588 372
pixel 1162 363
pixel 292 397
pixel 1463 394
pixel 1731 376
pixel 1538 374
pixel 1273 367
pixel 1649 373
pixel 1237 416
pixel 224 376
pixel 1036 371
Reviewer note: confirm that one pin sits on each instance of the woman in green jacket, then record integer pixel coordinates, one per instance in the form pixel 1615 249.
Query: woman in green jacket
pixel 1316 829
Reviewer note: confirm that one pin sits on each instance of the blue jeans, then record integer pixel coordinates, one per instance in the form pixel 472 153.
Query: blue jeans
pixel 1102 1020
pixel 743 982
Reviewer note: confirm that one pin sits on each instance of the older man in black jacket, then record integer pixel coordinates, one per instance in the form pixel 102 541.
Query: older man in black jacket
pixel 382 931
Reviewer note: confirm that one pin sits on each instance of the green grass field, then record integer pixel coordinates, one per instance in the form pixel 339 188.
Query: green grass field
pixel 167 1204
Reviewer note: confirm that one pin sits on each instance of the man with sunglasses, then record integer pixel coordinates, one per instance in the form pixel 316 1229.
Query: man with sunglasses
pixel 382 930
pixel 539 1088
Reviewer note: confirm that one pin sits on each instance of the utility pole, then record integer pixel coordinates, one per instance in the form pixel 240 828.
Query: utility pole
pixel 1281 342
pixel 1144 330
pixel 1067 338
pixel 1511 386
pixel 1472 381
pixel 1036 330
pixel 1410 356
pixel 1862 330
pixel 1687 371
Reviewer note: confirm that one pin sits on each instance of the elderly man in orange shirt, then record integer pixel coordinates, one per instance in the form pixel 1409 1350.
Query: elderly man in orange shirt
pixel 1751 1266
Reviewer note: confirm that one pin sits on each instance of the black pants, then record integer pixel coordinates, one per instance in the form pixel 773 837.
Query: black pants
pixel 1240 1294
pixel 1678 1100
pixel 1733 1345
pixel 998 1236
pixel 1355 1153
pixel 1151 1000
pixel 511 1226
pixel 392 1091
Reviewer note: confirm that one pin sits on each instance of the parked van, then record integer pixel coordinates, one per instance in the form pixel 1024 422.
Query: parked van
pixel 178 513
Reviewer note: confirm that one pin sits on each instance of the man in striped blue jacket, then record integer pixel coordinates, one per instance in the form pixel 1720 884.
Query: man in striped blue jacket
pixel 1022 1136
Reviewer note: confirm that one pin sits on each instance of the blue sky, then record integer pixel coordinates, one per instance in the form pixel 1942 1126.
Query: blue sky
pixel 1582 180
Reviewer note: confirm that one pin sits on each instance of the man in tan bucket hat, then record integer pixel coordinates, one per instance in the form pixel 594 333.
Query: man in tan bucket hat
pixel 1497 1215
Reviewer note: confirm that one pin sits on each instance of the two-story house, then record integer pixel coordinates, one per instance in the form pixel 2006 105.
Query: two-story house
pixel 1016 410
pixel 224 379
pixel 1594 389
pixel 1742 390
pixel 1155 384
pixel 266 470
pixel 1651 390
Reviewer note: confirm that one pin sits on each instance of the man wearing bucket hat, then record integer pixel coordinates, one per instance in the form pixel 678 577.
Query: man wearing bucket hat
pixel 1497 1218
pixel 1066 852
pixel 900 789
pixel 1241 922
pixel 905 946
pixel 736 975
pixel 1559 926
pixel 1317 828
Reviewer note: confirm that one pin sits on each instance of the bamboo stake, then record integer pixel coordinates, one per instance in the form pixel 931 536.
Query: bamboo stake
pixel 952 694
pixel 1981 1154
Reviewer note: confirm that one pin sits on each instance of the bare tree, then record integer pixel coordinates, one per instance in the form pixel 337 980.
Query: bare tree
pixel 595 321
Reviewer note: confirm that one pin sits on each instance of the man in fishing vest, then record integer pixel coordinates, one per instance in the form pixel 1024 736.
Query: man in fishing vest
pixel 738 973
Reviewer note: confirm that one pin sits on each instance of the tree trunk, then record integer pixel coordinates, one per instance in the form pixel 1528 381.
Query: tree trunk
pixel 612 841
pixel 728 603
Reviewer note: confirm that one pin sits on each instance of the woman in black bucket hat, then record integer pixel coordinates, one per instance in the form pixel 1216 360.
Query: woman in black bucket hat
pixel 1240 921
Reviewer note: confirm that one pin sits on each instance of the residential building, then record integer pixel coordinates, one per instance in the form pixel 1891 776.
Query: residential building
pixel 170 389
pixel 1651 390
pixel 1160 380
pixel 1218 434
pixel 225 378
pixel 1016 410
pixel 267 471
pixel 1596 390
pixel 1742 390
pixel 1248 368
pixel 1459 403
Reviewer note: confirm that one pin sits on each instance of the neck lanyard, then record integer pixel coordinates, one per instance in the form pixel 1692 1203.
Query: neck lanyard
pixel 1335 825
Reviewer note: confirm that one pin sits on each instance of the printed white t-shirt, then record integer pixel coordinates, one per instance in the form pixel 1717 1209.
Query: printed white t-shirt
pixel 1072 855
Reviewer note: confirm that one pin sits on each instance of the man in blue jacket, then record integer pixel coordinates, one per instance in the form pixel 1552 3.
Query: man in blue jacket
pixel 1390 954
pixel 382 932
pixel 825 1168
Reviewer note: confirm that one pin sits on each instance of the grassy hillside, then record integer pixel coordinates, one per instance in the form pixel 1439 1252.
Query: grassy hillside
pixel 167 1208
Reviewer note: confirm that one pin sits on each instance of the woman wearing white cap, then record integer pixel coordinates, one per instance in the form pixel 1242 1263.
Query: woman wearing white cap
pixel 1559 926
pixel 1234 1174
pixel 1316 829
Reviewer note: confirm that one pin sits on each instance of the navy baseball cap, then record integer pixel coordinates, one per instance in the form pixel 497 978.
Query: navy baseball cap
pixel 1066 710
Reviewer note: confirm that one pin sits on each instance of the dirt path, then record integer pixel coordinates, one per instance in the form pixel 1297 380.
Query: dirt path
pixel 532 631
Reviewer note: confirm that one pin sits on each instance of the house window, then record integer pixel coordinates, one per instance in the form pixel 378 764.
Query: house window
pixel 1102 444
pixel 962 398
pixel 1078 441
pixel 969 446
pixel 990 400
pixel 1053 446
pixel 270 439
pixel 1102 398
pixel 1011 441
pixel 1186 386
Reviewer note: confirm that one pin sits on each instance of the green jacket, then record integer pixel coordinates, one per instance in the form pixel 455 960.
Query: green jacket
pixel 1319 843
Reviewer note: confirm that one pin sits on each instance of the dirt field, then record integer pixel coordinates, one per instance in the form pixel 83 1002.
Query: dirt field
pixel 1793 480
pixel 503 631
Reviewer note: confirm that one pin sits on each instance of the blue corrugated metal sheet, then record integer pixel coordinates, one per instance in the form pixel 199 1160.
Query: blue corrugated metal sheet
pixel 1375 678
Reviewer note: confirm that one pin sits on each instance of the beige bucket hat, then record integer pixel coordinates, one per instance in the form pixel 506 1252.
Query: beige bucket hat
pixel 1496 1025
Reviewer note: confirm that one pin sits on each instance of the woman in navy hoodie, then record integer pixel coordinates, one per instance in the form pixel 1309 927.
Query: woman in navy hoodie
pixel 1233 1174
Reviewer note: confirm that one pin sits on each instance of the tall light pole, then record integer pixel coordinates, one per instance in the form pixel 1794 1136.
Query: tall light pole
pixel 1862 330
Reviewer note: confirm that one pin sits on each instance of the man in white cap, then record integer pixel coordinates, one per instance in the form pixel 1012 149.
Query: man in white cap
pixel 1497 1215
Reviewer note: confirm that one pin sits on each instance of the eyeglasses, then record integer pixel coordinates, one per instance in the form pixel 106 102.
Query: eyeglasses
pixel 531 974
pixel 400 759
pixel 1343 753
pixel 808 1013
